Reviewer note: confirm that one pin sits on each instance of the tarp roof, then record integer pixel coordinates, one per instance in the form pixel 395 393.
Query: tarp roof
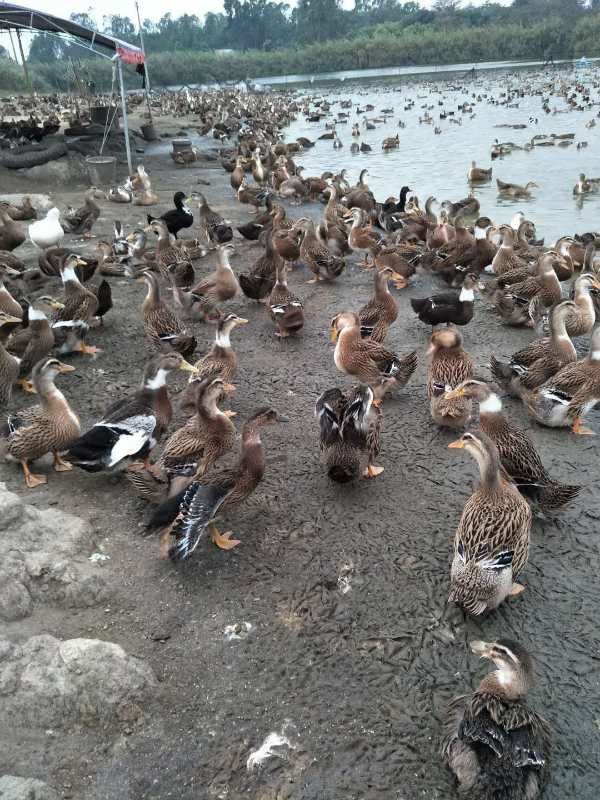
pixel 20 18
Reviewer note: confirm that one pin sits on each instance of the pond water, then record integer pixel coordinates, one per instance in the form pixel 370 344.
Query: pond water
pixel 437 164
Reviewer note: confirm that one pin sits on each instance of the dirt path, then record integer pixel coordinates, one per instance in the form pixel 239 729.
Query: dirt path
pixel 353 653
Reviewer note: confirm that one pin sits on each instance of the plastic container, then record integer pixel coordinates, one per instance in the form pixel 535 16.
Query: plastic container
pixel 181 144
pixel 149 132
pixel 102 170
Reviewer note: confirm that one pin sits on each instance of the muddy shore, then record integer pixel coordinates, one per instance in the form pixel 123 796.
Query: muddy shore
pixel 353 653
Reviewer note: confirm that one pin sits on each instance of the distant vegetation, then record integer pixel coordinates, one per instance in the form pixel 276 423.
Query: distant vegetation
pixel 318 35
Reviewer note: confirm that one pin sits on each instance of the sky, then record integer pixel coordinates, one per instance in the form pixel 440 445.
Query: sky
pixel 155 9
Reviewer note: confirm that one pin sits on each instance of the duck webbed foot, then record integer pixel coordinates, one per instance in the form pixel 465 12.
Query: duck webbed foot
pixel 30 479
pixel 60 465
pixel 223 540
pixel 372 471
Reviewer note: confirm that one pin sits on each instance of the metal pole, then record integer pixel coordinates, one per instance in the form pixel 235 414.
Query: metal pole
pixel 25 70
pixel 125 122
pixel 141 30
pixel 14 49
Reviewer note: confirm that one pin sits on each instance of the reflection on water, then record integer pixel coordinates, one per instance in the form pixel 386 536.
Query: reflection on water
pixel 438 164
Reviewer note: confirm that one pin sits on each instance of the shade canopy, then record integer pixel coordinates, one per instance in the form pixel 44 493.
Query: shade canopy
pixel 13 17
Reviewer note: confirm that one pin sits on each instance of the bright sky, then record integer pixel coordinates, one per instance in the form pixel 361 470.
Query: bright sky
pixel 155 9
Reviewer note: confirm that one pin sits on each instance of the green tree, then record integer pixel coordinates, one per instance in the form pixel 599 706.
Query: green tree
pixel 45 49
pixel 319 20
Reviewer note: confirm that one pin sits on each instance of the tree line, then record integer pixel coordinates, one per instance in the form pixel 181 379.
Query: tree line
pixel 267 38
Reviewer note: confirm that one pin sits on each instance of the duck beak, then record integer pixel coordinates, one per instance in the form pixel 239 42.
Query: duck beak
pixel 333 335
pixel 241 321
pixel 457 445
pixel 56 304
pixel 130 238
pixel 81 263
pixel 482 649
pixel 454 393
pixel 13 273
pixel 65 367
pixel 185 366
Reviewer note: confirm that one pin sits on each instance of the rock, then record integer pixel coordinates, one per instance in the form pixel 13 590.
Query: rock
pixel 45 558
pixel 49 683
pixel 14 788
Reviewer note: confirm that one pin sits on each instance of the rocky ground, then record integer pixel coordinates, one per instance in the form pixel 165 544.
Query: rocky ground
pixel 315 661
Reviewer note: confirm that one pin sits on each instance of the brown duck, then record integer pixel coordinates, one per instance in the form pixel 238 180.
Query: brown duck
pixel 449 365
pixel 381 311
pixel 186 517
pixel 372 363
pixel 9 364
pixel 206 437
pixel 219 362
pixel 161 325
pixel 51 428
pixel 517 452
pixel 285 307
pixel 12 234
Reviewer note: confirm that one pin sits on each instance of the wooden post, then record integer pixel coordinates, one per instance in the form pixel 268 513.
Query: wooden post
pixel 125 121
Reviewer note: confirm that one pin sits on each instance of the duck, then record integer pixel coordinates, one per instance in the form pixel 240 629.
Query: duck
pixel 286 243
pixel 362 238
pixel 81 220
pixel 237 175
pixel 8 304
pixel 285 307
pixel 474 259
pixel 204 438
pixel 478 174
pixel 162 326
pixel 491 543
pixel 582 319
pixel 349 433
pixel 33 343
pixel 178 218
pixel 316 255
pixel 131 426
pixel 252 195
pixel 51 428
pixel 391 143
pixel 48 232
pixel 360 196
pixel 185 518
pixel 51 262
pixel 495 744
pixel 222 284
pixel 454 307
pixel 252 230
pixel 258 282
pixel 120 194
pixel 294 188
pixel 449 365
pixel 167 257
pixel 518 454
pixel 565 398
pixel 534 364
pixel 9 364
pixel 12 234
pixel 217 229
pixel 514 190
pixel 219 362
pixel 369 361
pixel 506 259
pixel 523 302
pixel 381 311
pixel 21 212
pixel 583 186
pixel 145 197
pixel 80 307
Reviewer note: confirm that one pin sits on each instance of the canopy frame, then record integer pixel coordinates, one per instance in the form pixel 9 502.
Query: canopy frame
pixel 19 18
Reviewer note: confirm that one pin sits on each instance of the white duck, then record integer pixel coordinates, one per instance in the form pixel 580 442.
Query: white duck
pixel 47 232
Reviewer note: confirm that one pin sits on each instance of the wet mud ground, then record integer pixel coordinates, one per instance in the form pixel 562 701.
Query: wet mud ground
pixel 353 653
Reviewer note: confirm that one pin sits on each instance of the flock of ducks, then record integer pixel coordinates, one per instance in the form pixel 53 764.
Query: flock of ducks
pixel 496 745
